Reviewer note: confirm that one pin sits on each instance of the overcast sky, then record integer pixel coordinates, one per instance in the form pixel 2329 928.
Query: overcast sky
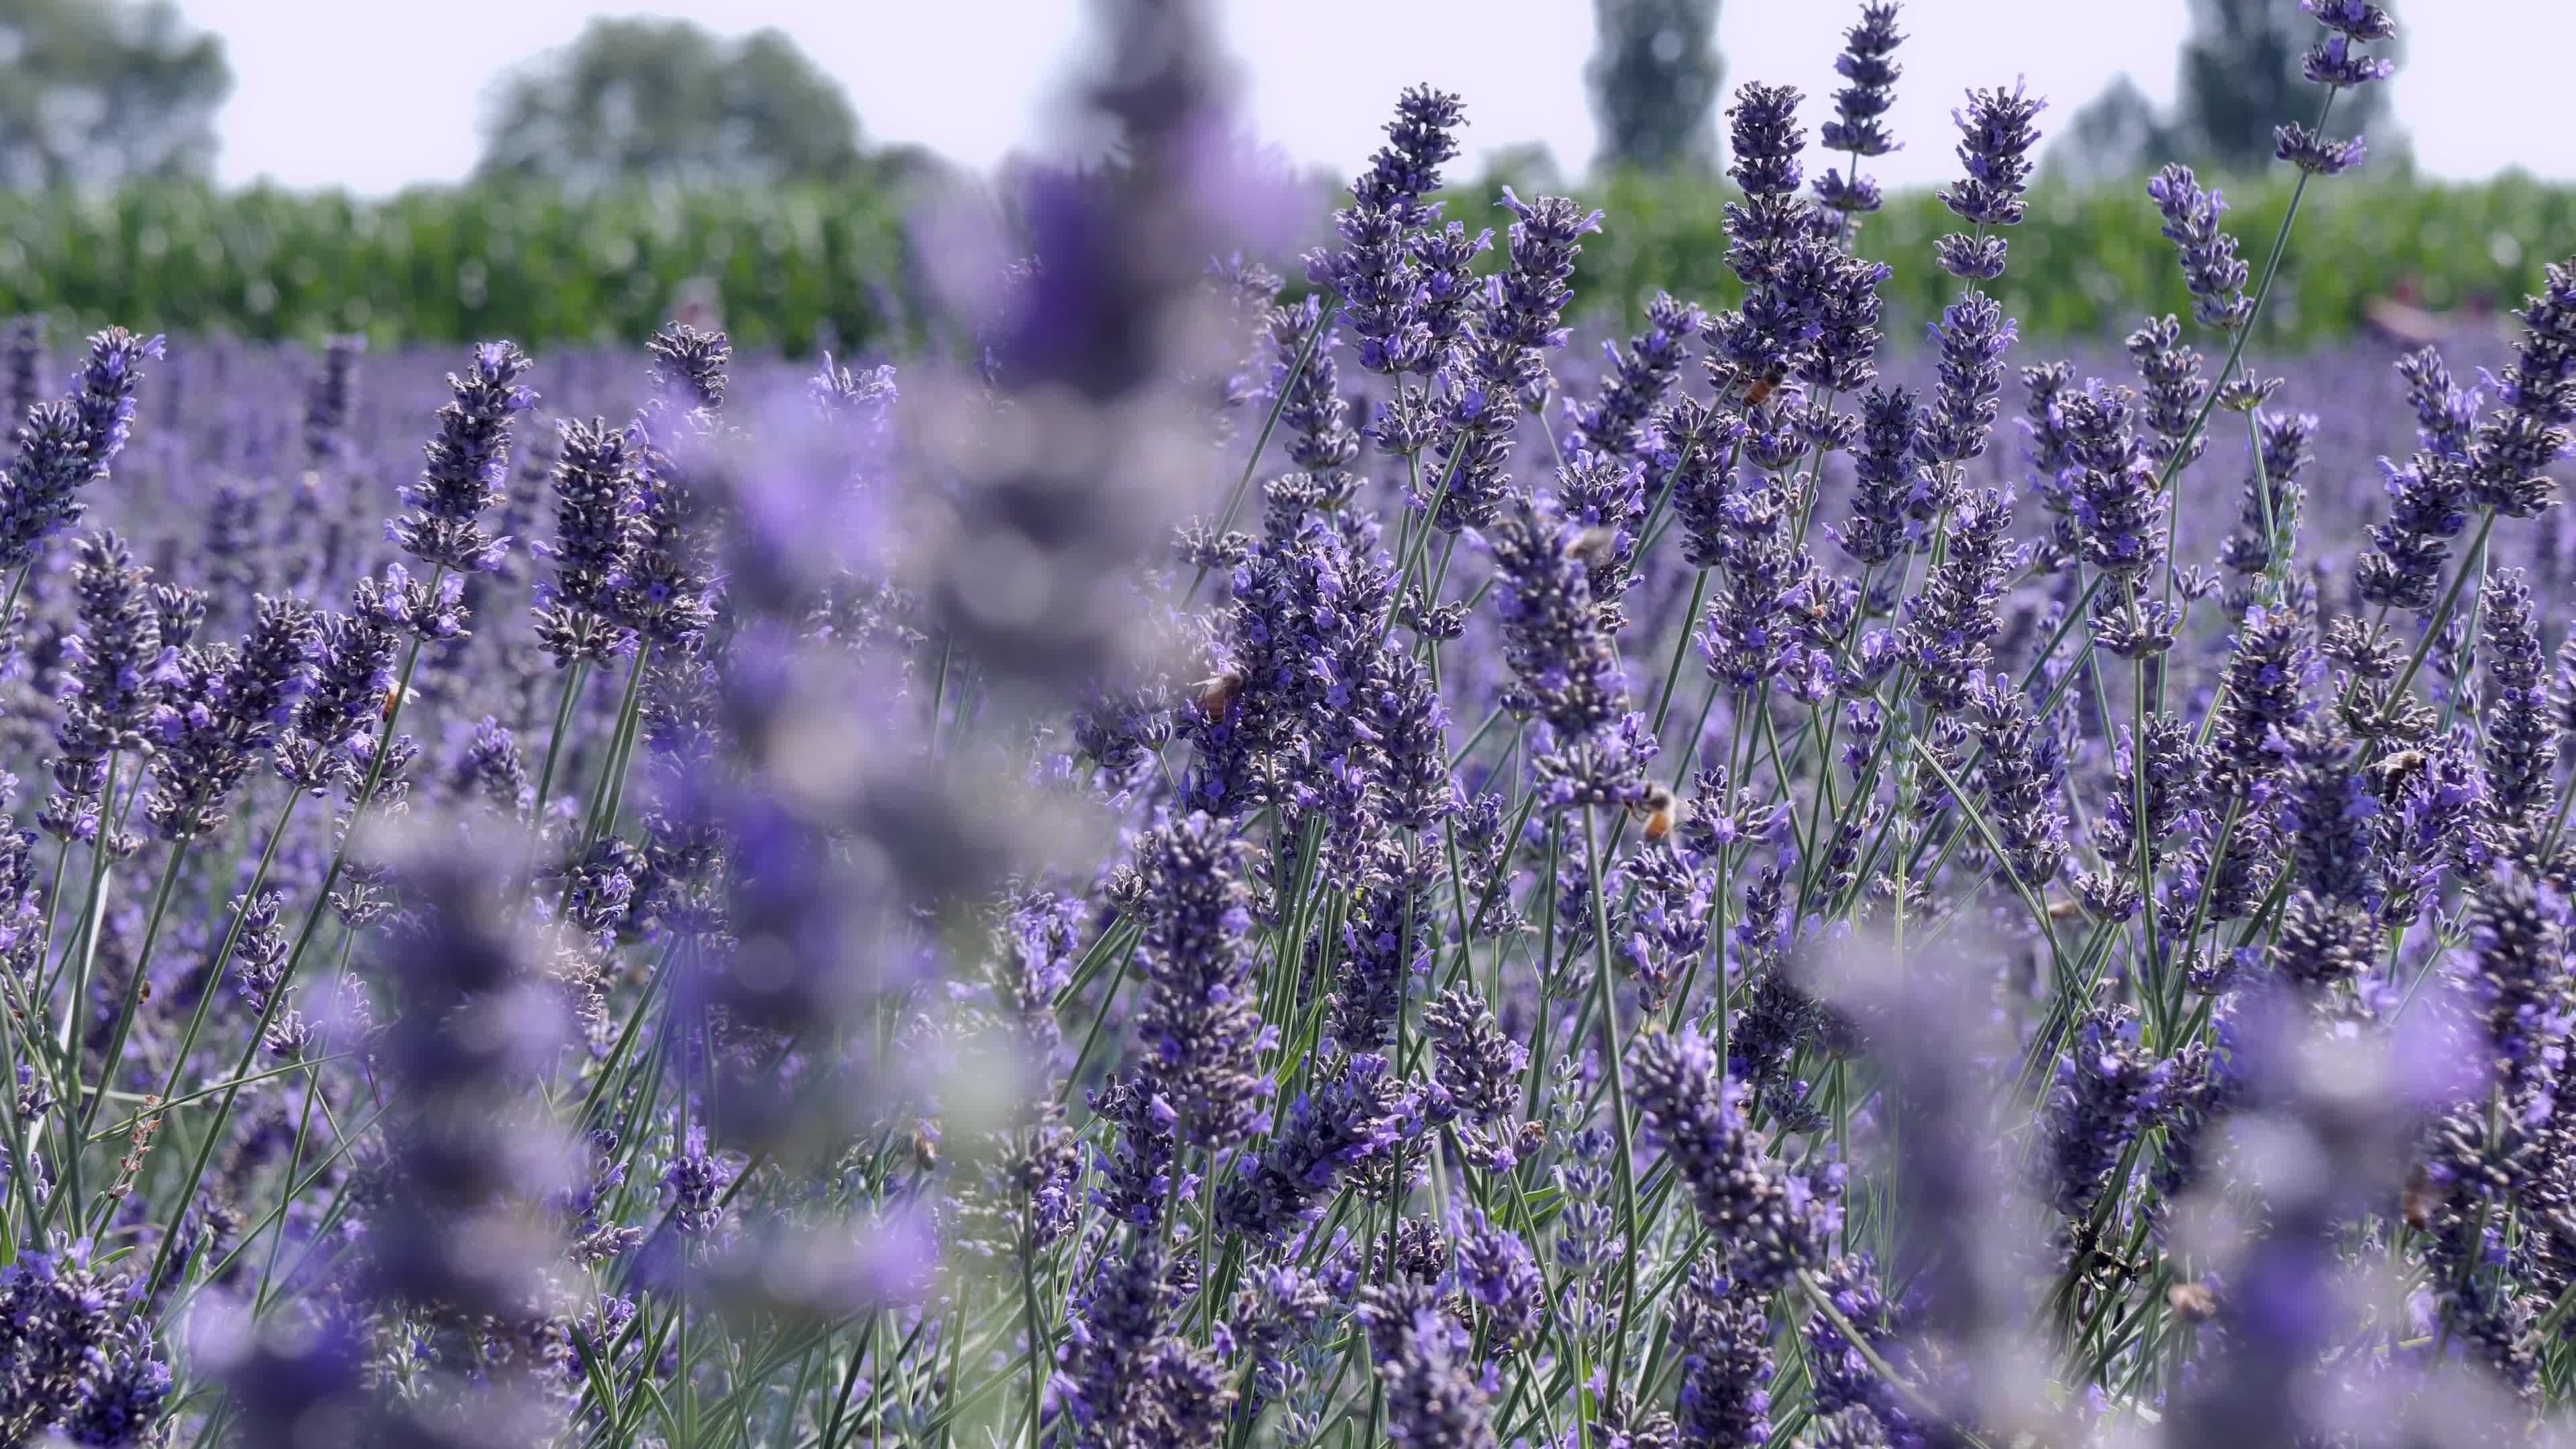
pixel 374 96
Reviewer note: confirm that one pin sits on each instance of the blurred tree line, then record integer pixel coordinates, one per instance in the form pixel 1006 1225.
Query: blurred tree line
pixel 665 101
pixel 98 93
pixel 101 92
pixel 1655 82
pixel 2238 78
pixel 1654 78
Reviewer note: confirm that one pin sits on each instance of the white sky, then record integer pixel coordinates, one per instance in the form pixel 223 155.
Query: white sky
pixel 376 94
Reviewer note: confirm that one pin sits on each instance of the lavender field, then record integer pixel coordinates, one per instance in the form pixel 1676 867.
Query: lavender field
pixel 1196 869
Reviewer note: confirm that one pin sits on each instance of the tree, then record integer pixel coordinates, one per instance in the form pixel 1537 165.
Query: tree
pixel 2240 78
pixel 2115 136
pixel 1654 76
pixel 665 100
pixel 94 92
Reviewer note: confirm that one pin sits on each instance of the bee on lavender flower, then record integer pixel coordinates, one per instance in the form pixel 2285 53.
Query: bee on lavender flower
pixel 1217 693
pixel 1658 808
pixel 1593 547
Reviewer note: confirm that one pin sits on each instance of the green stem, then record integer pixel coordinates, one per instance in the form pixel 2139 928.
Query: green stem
pixel 1606 1007
pixel 134 988
pixel 277 995
pixel 223 954
pixel 1261 441
pixel 612 780
pixel 2442 611
pixel 554 742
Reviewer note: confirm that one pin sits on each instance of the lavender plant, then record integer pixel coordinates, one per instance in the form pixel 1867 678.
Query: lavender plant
pixel 893 922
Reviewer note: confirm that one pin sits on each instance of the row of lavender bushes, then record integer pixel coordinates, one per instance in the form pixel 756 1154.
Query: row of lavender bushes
pixel 1320 874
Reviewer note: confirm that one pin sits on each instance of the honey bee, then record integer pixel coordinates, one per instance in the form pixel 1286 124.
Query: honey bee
pixel 2192 1301
pixel 1749 389
pixel 1216 693
pixel 1659 810
pixel 1593 547
pixel 2064 910
pixel 395 695
pixel 2400 767
pixel 1533 1138
pixel 2420 1197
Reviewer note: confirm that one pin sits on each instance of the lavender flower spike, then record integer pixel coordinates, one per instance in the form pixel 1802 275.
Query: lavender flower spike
pixel 65 446
pixel 1858 129
pixel 1374 271
pixel 1772 1221
pixel 1997 135
pixel 468 465
pixel 2210 266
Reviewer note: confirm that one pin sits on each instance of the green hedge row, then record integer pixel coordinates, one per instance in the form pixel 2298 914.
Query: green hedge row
pixel 452 265
pixel 791 265
pixel 2089 261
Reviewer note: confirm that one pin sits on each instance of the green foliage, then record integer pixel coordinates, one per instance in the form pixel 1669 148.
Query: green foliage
pixel 527 263
pixel 665 100
pixel 542 267
pixel 95 92
pixel 2089 261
